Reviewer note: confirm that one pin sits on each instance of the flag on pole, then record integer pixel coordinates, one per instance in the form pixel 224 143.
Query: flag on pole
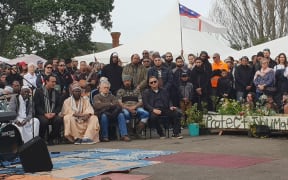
pixel 193 20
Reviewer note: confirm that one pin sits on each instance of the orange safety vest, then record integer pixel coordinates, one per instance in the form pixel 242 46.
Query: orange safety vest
pixel 220 66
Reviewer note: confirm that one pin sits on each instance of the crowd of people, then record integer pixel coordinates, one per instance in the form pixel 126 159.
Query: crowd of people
pixel 86 99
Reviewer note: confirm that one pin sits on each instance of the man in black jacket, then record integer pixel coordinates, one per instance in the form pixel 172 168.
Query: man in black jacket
pixel 47 108
pixel 113 72
pixel 156 100
pixel 243 79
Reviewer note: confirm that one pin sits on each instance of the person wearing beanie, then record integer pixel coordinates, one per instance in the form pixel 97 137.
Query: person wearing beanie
pixel 130 100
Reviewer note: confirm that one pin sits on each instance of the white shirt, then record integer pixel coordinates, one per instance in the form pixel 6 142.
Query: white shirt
pixel 31 78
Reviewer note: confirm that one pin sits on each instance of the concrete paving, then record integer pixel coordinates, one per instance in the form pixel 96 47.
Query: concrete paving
pixel 274 148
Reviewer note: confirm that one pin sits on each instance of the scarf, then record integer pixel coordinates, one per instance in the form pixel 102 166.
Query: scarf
pixel 49 101
pixel 23 109
pixel 75 108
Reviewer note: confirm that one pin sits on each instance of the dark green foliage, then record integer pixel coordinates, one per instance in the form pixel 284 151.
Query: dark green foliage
pixel 68 23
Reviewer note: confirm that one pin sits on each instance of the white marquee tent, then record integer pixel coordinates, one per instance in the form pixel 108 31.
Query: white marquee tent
pixel 164 37
pixel 276 47
pixel 28 58
pixel 2 59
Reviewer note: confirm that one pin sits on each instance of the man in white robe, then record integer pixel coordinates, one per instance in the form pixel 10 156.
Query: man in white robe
pixel 22 105
pixel 81 126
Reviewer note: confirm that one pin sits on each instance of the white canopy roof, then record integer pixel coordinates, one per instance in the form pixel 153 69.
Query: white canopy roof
pixel 164 37
pixel 2 59
pixel 28 58
pixel 276 47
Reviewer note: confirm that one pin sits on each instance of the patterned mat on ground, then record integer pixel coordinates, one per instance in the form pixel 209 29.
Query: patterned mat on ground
pixel 93 162
pixel 213 160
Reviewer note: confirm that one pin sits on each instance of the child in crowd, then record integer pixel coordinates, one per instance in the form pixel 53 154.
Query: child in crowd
pixel 224 85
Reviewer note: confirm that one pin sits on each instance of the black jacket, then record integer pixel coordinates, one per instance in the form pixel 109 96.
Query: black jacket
pixel 224 86
pixel 200 78
pixel 243 77
pixel 113 72
pixel 152 100
pixel 39 100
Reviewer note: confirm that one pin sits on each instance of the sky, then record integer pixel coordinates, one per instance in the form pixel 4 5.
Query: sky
pixel 133 17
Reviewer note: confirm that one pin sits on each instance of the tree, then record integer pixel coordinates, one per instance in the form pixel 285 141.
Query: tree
pixel 50 28
pixel 251 22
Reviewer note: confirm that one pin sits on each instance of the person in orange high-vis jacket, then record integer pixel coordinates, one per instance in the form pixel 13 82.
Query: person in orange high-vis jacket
pixel 217 67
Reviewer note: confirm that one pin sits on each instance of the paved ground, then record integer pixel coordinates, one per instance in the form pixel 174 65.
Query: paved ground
pixel 274 148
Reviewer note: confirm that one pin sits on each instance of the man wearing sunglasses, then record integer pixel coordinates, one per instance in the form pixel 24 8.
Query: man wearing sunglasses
pixel 156 100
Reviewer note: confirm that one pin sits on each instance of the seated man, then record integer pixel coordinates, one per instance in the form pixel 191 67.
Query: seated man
pixel 108 109
pixel 47 107
pixel 157 101
pixel 81 126
pixel 22 105
pixel 131 101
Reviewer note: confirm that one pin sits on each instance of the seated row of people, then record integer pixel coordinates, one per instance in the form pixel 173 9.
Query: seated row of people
pixel 80 118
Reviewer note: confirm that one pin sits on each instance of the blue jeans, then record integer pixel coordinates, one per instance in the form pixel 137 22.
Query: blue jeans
pixel 104 123
pixel 142 114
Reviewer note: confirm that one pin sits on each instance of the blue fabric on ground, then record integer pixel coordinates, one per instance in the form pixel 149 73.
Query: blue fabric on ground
pixel 88 163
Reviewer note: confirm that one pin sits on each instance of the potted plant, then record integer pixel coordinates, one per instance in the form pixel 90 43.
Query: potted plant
pixel 194 120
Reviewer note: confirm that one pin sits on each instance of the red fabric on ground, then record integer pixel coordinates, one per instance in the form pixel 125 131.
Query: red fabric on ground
pixel 214 160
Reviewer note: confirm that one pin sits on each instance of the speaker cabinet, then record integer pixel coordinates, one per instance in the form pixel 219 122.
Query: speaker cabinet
pixel 34 156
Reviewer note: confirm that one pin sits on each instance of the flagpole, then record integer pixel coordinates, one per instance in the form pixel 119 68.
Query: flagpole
pixel 181 35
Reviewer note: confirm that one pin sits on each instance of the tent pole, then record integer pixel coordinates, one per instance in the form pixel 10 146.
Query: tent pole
pixel 181 36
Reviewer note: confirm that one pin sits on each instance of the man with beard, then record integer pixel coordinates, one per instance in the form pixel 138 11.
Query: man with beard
pixel 130 100
pixel 162 73
pixel 243 79
pixel 169 61
pixel 113 72
pixel 137 72
pixel 65 79
pixel 271 62
pixel 177 71
pixel 81 126
pixel 22 105
pixel 201 83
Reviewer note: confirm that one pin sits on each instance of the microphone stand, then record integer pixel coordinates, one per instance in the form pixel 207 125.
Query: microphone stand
pixel 32 103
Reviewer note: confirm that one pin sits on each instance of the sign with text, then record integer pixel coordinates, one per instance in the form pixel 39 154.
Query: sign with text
pixel 243 122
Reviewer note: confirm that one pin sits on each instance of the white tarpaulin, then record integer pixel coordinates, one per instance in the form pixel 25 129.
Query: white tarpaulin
pixel 2 59
pixel 276 47
pixel 164 37
pixel 28 58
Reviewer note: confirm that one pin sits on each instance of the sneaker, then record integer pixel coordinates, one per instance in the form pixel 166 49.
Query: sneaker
pixel 177 136
pixel 125 138
pixel 87 141
pixel 78 141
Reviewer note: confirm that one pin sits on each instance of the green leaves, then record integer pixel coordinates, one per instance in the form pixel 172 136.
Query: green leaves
pixel 194 115
pixel 68 22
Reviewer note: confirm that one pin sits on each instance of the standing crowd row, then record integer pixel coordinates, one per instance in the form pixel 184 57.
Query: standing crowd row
pixel 88 100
